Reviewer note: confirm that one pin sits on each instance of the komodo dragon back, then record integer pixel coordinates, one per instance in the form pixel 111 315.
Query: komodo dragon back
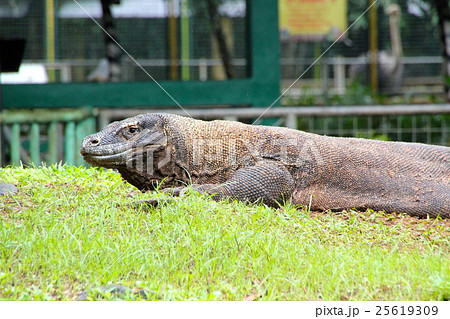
pixel 271 164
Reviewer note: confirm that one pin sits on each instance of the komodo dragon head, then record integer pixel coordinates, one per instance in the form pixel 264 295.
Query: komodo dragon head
pixel 133 146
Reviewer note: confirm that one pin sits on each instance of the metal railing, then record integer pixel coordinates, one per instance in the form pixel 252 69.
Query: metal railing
pixel 334 77
pixel 51 136
pixel 65 68
pixel 429 123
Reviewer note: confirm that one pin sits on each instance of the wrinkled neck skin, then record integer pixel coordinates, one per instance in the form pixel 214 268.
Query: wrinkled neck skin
pixel 149 174
pixel 155 167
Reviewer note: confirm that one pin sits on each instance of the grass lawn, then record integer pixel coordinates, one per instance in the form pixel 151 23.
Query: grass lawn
pixel 68 229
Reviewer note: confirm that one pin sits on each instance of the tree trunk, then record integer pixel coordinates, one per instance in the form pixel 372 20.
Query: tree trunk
pixel 113 51
pixel 220 36
pixel 443 9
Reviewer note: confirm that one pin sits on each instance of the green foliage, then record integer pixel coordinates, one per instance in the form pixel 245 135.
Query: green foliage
pixel 356 94
pixel 71 228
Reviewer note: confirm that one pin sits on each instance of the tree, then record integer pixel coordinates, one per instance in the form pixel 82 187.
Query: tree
pixel 443 11
pixel 217 29
pixel 112 50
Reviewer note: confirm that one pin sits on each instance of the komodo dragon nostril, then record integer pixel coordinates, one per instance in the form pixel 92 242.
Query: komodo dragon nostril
pixel 94 142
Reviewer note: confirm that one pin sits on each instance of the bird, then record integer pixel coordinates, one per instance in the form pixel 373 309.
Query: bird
pixel 389 64
pixel 100 73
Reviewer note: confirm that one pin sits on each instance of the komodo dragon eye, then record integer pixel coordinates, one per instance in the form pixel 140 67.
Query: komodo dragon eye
pixel 130 131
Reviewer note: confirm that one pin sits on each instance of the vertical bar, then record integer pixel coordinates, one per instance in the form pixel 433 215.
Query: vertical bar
pixel 50 36
pixel 2 134
pixel 34 144
pixel 90 129
pixel 81 131
pixel 91 123
pixel 15 144
pixel 399 128
pixel 2 142
pixel 414 128
pixel 373 47
pixel 317 66
pixel 52 137
pixel 173 41
pixel 60 128
pixel 185 42
pixel 428 129
pixel 310 124
pixel 104 119
pixel 326 125
pixel 291 121
pixel 339 75
pixel 443 131
pixel 384 125
pixel 262 38
pixel 203 70
pixel 340 126
pixel 355 126
pixel 324 77
pixel 69 145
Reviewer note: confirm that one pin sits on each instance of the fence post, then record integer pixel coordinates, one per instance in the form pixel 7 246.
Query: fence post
pixel 15 144
pixel 81 131
pixel 69 144
pixel 3 146
pixel 34 144
pixel 291 121
pixel 52 134
pixel 339 75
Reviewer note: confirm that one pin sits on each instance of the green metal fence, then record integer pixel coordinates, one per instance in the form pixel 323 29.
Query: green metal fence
pixel 39 135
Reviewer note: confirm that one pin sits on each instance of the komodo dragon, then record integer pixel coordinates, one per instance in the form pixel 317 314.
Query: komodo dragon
pixel 273 164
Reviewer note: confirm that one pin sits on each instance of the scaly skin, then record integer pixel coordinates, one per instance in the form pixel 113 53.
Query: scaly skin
pixel 272 164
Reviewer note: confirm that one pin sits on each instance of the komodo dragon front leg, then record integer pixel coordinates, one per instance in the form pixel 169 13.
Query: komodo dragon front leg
pixel 264 182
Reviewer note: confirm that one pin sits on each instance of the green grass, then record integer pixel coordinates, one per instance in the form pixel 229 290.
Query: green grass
pixel 72 228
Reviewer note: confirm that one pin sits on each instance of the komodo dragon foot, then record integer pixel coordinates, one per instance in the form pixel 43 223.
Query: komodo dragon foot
pixel 155 202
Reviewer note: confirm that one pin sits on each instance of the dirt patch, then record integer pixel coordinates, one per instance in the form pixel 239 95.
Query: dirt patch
pixel 419 233
pixel 420 225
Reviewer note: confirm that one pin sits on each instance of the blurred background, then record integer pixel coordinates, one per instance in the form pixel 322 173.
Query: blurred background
pixel 173 43
pixel 226 57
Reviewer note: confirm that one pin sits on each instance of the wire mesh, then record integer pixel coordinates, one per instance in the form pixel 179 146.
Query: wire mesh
pixel 142 28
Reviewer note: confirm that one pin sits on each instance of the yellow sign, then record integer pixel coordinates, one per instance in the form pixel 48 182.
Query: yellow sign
pixel 312 20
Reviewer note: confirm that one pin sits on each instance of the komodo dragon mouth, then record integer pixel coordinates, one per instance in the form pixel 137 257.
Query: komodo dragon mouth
pixel 114 155
pixel 104 154
pixel 105 159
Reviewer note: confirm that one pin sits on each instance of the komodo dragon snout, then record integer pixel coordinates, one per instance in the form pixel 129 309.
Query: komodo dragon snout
pixel 233 160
